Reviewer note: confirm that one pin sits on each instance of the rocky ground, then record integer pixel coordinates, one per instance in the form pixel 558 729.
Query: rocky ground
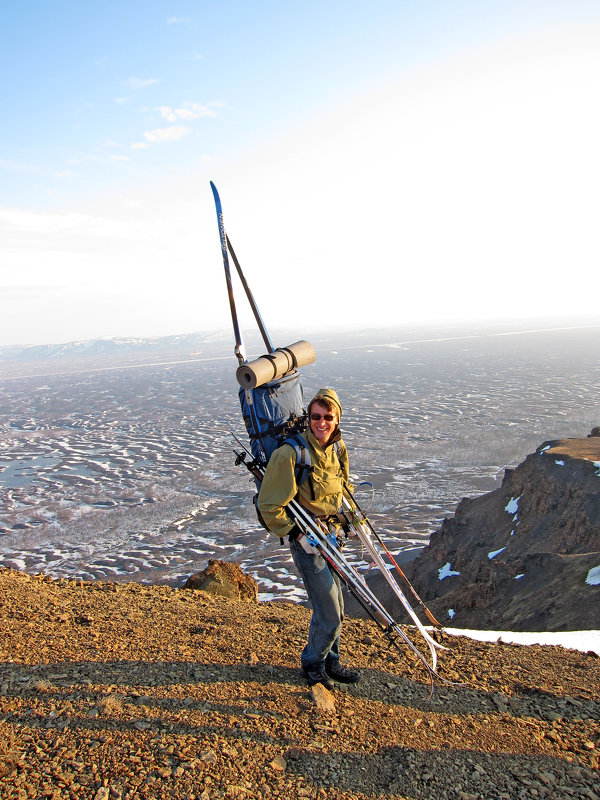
pixel 129 691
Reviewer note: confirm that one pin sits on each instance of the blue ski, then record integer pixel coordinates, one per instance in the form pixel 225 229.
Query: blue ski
pixel 239 345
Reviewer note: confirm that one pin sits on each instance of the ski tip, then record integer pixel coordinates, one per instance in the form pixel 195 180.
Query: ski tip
pixel 216 197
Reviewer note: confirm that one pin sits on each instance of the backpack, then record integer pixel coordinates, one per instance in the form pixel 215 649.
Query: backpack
pixel 274 414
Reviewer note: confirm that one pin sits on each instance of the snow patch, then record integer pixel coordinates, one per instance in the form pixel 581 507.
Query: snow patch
pixel 593 576
pixel 584 641
pixel 559 462
pixel 494 553
pixel 519 576
pixel 597 464
pixel 513 505
pixel 446 571
pixel 451 613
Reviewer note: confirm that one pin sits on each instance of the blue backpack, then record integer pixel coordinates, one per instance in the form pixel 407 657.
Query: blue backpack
pixel 274 414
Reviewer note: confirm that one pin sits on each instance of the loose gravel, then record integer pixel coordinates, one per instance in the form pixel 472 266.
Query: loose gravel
pixel 132 692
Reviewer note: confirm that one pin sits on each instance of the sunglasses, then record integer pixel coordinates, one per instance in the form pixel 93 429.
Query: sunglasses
pixel 326 417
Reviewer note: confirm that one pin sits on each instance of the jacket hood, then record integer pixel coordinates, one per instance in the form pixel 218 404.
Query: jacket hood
pixel 331 396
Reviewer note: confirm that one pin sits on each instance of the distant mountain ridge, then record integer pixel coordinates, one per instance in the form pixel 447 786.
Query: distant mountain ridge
pixel 188 343
pixel 116 345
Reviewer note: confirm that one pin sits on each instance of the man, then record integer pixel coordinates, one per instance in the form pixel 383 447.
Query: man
pixel 321 495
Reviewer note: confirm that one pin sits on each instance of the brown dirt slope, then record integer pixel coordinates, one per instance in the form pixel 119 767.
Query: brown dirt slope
pixel 588 448
pixel 129 691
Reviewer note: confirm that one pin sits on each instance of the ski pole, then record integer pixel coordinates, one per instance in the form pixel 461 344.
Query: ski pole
pixel 384 622
pixel 358 587
pixel 366 520
pixel 363 535
pixel 301 515
pixel 352 580
pixel 257 316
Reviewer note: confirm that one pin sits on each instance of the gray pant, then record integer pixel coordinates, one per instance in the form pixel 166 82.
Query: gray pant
pixel 325 594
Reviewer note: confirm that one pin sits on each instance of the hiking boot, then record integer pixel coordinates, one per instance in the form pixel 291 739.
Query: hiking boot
pixel 341 674
pixel 317 674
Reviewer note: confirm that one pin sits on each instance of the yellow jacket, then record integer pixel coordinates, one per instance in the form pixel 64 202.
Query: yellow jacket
pixel 320 493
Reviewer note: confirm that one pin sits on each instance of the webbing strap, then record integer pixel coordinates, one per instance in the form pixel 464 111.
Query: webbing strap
pixel 303 460
pixel 254 420
pixel 271 358
pixel 303 466
pixel 289 353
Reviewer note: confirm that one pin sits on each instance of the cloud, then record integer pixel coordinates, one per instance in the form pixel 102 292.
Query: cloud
pixel 140 83
pixel 195 110
pixel 167 113
pixel 139 146
pixel 187 111
pixel 121 100
pixel 114 157
pixel 171 134
pixel 176 20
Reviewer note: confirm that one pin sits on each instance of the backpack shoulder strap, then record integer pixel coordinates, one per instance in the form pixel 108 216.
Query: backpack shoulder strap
pixel 303 461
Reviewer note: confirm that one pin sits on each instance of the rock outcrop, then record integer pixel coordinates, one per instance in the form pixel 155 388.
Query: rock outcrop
pixel 226 580
pixel 524 556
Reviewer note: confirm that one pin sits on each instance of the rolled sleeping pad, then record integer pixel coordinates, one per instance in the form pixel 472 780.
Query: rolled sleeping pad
pixel 275 365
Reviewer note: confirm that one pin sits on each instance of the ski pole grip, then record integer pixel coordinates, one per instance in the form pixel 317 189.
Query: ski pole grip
pixel 275 365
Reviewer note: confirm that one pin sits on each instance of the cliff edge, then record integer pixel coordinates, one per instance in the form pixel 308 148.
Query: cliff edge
pixel 525 556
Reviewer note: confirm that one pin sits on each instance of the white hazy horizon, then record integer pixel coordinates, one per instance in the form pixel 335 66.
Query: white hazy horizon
pixel 455 180
pixel 432 330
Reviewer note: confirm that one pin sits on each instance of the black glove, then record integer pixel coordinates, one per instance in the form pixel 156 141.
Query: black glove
pixel 294 533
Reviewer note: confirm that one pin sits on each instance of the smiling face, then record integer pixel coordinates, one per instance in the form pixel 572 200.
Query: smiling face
pixel 323 422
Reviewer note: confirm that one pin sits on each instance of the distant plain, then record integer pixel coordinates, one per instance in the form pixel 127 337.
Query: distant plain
pixel 122 467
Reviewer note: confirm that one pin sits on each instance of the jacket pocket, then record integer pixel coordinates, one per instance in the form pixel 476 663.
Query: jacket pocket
pixel 327 484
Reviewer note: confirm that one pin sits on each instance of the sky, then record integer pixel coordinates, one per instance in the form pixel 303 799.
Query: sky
pixel 378 163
